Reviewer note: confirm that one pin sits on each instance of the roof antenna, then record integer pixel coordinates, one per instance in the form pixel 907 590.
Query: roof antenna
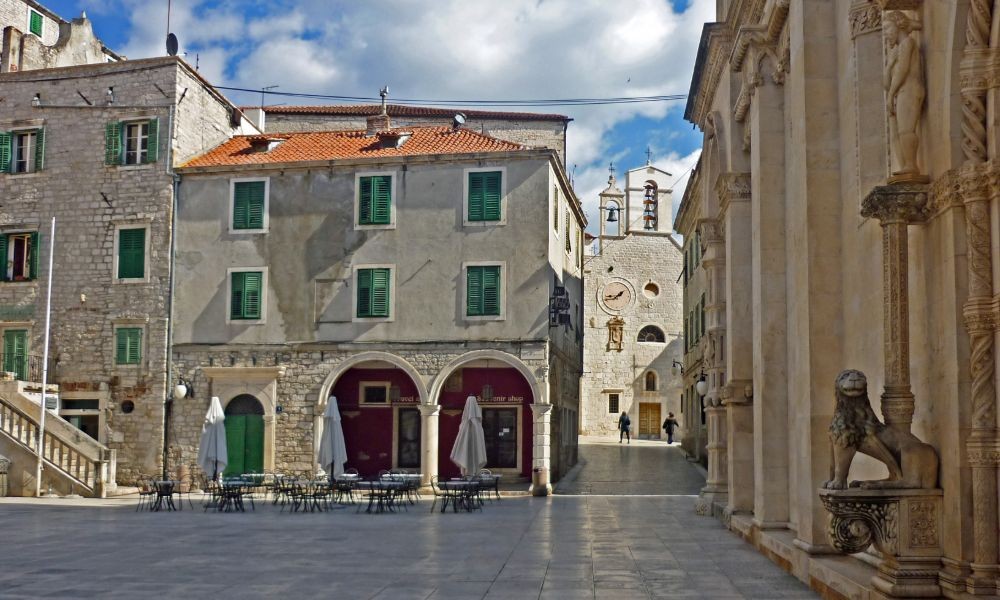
pixel 265 90
pixel 383 93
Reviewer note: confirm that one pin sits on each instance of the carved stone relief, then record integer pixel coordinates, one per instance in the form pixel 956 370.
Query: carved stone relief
pixel 865 18
pixel 616 333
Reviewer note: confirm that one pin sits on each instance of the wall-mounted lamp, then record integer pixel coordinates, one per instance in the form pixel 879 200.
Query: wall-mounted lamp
pixel 36 102
pixel 110 95
pixel 183 389
pixel 676 367
pixel 702 386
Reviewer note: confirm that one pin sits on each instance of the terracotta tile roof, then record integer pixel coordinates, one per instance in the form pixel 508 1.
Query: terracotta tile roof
pixel 334 145
pixel 396 110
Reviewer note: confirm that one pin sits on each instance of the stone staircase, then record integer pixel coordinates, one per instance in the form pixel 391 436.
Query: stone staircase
pixel 74 462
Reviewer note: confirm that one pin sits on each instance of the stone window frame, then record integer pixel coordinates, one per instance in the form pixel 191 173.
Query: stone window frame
pixel 658 328
pixel 41 18
pixel 131 322
pixel 463 291
pixel 393 199
pixel 103 398
pixel 503 197
pixel 27 325
pixel 146 224
pixel 607 393
pixel 263 295
pixel 392 293
pixel 267 204
pixel 645 381
pixel 365 385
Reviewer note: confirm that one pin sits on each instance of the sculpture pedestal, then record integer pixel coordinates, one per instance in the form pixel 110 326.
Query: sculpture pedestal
pixel 904 525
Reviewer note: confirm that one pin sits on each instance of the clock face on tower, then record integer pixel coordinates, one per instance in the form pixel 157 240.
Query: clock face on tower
pixel 616 295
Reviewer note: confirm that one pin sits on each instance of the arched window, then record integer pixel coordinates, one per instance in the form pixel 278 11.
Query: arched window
pixel 652 333
pixel 650 381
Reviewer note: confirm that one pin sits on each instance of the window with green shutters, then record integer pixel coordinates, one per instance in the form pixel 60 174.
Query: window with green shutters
pixel 35 23
pixel 19 256
pixel 482 291
pixel 373 293
pixel 128 345
pixel 15 352
pixel 484 196
pixel 569 239
pixel 22 151
pixel 131 142
pixel 245 301
pixel 132 253
pixel 375 200
pixel 248 204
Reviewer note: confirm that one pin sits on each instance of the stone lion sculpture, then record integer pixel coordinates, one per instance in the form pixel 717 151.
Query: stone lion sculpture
pixel 855 428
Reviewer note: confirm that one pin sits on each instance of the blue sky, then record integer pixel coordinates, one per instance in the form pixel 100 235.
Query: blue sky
pixel 452 49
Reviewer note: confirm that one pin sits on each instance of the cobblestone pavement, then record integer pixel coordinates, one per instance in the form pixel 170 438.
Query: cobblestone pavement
pixel 562 547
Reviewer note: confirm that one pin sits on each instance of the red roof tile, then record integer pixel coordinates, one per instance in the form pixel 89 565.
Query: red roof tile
pixel 397 110
pixel 334 145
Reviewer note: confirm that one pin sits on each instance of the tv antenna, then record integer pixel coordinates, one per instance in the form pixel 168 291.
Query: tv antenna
pixel 265 90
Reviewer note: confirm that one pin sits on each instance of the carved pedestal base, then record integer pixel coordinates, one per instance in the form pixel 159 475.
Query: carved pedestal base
pixel 904 525
pixel 711 502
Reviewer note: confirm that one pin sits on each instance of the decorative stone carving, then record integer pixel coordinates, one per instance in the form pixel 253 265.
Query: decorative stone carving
pixel 905 92
pixel 616 333
pixel 855 428
pixel 865 18
pixel 859 523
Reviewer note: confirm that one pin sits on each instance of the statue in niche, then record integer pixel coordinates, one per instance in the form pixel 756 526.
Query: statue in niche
pixel 905 91
pixel 855 428
pixel 616 333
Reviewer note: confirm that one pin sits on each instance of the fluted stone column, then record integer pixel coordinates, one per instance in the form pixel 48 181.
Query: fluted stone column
pixel 896 206
pixel 541 449
pixel 429 414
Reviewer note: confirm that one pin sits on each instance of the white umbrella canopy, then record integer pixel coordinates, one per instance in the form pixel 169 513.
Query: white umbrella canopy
pixel 469 451
pixel 212 455
pixel 332 451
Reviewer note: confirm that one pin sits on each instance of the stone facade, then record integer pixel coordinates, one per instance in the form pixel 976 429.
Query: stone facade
pixel 642 373
pixel 307 343
pixel 90 202
pixel 60 44
pixel 843 199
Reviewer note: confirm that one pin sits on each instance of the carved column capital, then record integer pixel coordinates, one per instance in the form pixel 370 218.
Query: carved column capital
pixel 897 203
pixel 732 187
pixel 900 4
pixel 983 451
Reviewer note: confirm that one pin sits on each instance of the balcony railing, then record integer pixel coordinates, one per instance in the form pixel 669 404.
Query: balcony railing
pixel 24 367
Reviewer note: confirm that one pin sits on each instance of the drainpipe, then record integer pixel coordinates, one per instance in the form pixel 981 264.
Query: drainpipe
pixel 168 388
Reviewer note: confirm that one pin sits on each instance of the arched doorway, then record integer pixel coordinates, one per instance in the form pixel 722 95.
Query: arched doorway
pixel 379 397
pixel 244 435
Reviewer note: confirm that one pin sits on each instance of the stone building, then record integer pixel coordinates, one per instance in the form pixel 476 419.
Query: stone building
pixel 397 269
pixel 94 147
pixel 847 203
pixel 33 37
pixel 633 345
pixel 536 130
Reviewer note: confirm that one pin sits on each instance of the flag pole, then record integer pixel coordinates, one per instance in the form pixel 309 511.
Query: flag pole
pixel 45 364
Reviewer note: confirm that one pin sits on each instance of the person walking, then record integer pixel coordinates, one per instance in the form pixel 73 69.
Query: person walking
pixel 624 423
pixel 668 425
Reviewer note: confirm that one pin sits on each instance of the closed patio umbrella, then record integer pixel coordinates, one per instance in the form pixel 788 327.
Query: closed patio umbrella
pixel 212 455
pixel 332 451
pixel 469 451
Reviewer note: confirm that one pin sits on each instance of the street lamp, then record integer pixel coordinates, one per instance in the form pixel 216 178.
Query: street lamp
pixel 701 387
pixel 183 389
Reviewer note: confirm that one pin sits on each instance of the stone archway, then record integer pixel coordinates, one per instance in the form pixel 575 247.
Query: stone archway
pixel 228 383
pixel 538 391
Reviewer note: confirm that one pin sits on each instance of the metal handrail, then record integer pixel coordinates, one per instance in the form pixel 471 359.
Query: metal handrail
pixel 25 367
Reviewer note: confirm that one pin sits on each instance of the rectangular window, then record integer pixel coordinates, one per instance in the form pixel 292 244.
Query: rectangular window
pixel 569 239
pixel 482 291
pixel 375 200
pixel 132 253
pixel 15 353
pixel 19 256
pixel 555 209
pixel 248 204
pixel 131 142
pixel 373 293
pixel 35 23
pixel 613 403
pixel 484 196
pixel 701 316
pixel 245 299
pixel 22 151
pixel 375 393
pixel 128 346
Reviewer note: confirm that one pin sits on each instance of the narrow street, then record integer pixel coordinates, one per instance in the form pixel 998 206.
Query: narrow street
pixel 643 467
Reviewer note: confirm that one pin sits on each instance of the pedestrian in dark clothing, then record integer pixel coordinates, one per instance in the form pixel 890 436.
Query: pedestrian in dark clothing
pixel 668 426
pixel 624 423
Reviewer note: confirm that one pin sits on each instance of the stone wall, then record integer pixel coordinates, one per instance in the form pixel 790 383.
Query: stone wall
pixel 635 260
pixel 62 43
pixel 89 202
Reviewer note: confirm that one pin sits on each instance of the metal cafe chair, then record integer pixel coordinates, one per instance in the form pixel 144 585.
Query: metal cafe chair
pixel 147 494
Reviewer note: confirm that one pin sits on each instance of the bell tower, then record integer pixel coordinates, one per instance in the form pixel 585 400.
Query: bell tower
pixel 612 200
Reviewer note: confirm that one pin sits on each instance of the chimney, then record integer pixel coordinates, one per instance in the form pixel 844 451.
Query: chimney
pixel 378 124
pixel 256 116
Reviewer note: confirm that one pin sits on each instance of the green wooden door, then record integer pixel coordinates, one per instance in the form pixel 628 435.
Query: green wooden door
pixel 15 352
pixel 244 444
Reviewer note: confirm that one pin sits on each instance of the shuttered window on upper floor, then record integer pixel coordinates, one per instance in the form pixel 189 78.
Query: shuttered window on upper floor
pixel 248 204
pixel 484 196
pixel 373 293
pixel 132 253
pixel 375 200
pixel 482 291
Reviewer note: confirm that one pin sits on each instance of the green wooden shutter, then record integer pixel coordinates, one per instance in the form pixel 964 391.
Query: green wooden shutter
pixel 128 346
pixel 253 458
pixel 474 291
pixel 6 151
pixel 364 292
pixel 255 205
pixel 236 299
pixel 380 292
pixel 131 253
pixel 365 201
pixel 491 196
pixel 569 242
pixel 34 249
pixel 251 294
pixel 241 205
pixel 152 141
pixel 35 24
pixel 491 291
pixel 3 258
pixel 39 149
pixel 113 144
pixel 236 431
pixel 15 356
pixel 476 197
pixel 381 199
